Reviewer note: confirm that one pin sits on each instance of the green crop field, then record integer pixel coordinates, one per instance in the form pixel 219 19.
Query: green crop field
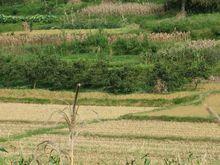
pixel 109 82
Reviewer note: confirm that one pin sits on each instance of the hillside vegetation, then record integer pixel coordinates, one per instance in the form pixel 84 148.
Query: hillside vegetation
pixel 148 73
pixel 127 46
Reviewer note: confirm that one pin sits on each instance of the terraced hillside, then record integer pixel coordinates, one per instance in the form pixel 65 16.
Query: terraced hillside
pixel 149 73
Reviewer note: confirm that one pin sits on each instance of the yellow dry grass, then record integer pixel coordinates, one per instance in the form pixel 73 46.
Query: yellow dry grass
pixel 123 8
pixel 90 150
pixel 154 128
pixel 60 95
pixel 70 31
pixel 7 129
pixel 175 36
pixel 193 110
pixel 209 86
pixel 37 112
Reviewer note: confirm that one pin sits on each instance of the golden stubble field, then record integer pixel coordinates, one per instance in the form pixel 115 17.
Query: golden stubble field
pixel 110 140
pixel 44 113
pixel 96 150
pixel 192 110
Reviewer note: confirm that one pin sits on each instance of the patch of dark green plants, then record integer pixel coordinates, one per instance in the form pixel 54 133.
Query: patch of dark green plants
pixel 95 43
pixel 162 71
pixel 194 6
pixel 84 24
pixel 129 46
pixel 168 118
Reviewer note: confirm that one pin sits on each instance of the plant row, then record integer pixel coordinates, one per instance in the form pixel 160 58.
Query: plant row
pixel 35 18
pixel 84 24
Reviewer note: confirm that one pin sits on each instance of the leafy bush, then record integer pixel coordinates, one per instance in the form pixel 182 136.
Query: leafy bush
pixel 12 71
pixel 126 79
pixel 178 66
pixel 216 32
pixel 95 43
pixel 130 46
pixel 165 76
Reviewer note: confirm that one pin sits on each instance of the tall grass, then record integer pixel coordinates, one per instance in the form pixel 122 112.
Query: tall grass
pixel 122 9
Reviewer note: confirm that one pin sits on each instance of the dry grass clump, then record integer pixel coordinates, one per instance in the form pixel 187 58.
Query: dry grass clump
pixel 123 8
pixel 74 1
pixel 175 36
pixel 154 128
pixel 38 39
pixel 202 44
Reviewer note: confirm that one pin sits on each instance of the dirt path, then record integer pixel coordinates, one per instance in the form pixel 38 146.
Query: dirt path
pixel 38 112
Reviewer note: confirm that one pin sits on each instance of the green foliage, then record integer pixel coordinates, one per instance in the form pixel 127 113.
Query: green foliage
pixel 3 149
pixel 95 43
pixel 126 79
pixel 84 24
pixel 178 66
pixel 169 70
pixel 35 18
pixel 10 27
pixel 195 6
pixel 130 46
pixel 145 117
pixel 200 25
pixel 43 8
pixel 216 31
pixel 169 27
pixel 142 1
pixel 170 76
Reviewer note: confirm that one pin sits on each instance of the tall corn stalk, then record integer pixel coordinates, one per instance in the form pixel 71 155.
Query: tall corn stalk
pixel 73 123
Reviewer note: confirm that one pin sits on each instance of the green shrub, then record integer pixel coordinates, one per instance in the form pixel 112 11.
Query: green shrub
pixel 130 46
pixel 98 74
pixel 170 26
pixel 169 74
pixel 125 79
pixel 95 43
pixel 216 31
pixel 177 66
pixel 12 71
pixel 41 70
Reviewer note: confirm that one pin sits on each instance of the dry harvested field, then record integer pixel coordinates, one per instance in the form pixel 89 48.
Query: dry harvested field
pixel 44 113
pixel 60 95
pixel 154 128
pixel 193 110
pixel 9 128
pixel 95 150
pixel 68 95
pixel 112 140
